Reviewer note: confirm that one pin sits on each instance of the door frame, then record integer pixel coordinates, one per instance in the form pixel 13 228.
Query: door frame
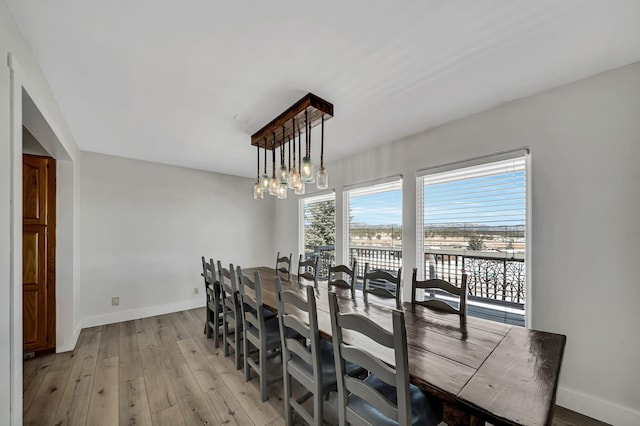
pixel 63 149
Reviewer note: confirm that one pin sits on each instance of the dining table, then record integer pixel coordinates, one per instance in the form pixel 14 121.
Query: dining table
pixel 481 370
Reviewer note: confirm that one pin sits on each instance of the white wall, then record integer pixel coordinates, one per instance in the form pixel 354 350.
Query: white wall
pixel 585 152
pixel 144 227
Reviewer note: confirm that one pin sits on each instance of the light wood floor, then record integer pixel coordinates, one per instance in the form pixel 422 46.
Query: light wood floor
pixel 160 370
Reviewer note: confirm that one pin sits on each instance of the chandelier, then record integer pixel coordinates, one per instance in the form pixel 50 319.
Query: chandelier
pixel 283 133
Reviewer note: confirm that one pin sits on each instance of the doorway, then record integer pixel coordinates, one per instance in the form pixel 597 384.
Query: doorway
pixel 38 254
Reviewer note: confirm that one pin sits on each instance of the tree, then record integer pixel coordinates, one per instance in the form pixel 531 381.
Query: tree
pixel 320 224
pixel 475 242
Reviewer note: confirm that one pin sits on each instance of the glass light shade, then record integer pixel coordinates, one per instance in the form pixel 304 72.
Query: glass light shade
pixel 282 191
pixel 284 174
pixel 274 186
pixel 294 178
pixel 300 189
pixel 265 182
pixel 322 178
pixel 307 172
pixel 258 194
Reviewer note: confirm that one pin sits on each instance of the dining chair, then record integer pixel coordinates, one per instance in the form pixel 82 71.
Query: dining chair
pixel 213 301
pixel 383 284
pixel 231 318
pixel 283 265
pixel 348 280
pixel 311 365
pixel 385 396
pixel 260 336
pixel 441 286
pixel 308 269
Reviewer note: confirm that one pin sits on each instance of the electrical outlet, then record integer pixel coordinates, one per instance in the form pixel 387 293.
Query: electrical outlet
pixel 196 290
pixel 115 301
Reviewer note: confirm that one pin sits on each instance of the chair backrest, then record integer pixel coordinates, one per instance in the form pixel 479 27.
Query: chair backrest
pixel 308 269
pixel 382 284
pixel 343 352
pixel 292 346
pixel 349 273
pixel 227 278
pixel 251 295
pixel 441 285
pixel 283 264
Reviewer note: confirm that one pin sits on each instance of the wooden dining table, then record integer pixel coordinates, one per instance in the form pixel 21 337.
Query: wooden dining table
pixel 481 370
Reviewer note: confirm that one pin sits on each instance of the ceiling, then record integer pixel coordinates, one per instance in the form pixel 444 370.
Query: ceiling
pixel 187 82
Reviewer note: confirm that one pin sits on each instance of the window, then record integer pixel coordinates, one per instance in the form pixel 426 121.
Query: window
pixel 473 220
pixel 318 230
pixel 375 225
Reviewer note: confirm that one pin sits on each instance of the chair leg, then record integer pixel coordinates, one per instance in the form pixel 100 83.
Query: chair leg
pixel 216 326
pixel 263 373
pixel 225 335
pixel 247 367
pixel 288 411
pixel 317 407
pixel 239 342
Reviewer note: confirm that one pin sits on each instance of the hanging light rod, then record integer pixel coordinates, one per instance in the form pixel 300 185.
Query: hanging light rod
pixel 282 126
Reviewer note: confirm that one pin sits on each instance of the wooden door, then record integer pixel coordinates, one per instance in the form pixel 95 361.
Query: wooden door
pixel 38 253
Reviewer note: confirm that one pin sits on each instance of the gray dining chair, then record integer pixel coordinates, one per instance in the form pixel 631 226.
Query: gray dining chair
pixel 385 396
pixel 383 284
pixel 308 269
pixel 231 318
pixel 311 365
pixel 283 265
pixel 212 302
pixel 442 287
pixel 261 337
pixel 347 279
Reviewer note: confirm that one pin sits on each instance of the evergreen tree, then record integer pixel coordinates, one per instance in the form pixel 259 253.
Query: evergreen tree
pixel 320 221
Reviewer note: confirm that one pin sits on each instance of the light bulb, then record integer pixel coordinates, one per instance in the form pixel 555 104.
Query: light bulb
pixel 300 189
pixel 322 178
pixel 282 191
pixel 265 182
pixel 258 194
pixel 284 174
pixel 294 178
pixel 307 172
pixel 274 186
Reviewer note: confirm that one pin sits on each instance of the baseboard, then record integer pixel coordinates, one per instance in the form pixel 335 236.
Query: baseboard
pixel 605 411
pixel 72 344
pixel 133 314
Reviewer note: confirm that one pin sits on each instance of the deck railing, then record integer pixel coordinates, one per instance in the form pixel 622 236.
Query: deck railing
pixel 492 277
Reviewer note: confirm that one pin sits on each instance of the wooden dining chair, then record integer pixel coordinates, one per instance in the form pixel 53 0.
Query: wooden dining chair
pixel 311 365
pixel 231 318
pixel 283 265
pixel 385 396
pixel 261 337
pixel 349 280
pixel 308 269
pixel 383 284
pixel 212 302
pixel 441 286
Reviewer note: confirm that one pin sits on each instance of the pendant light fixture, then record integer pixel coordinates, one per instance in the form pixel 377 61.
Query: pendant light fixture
pixel 307 172
pixel 265 181
pixel 257 187
pixel 282 131
pixel 274 184
pixel 322 178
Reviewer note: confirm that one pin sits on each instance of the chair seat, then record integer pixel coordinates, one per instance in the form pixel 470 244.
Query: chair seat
pixel 327 365
pixel 272 333
pixel 265 312
pixel 424 410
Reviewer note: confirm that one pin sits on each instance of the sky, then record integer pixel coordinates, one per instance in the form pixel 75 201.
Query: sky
pixel 496 200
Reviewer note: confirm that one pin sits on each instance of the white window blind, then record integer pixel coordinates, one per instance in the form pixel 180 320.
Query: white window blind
pixel 472 220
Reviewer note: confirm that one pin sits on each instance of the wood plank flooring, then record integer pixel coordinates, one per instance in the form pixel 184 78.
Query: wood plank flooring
pixel 157 371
